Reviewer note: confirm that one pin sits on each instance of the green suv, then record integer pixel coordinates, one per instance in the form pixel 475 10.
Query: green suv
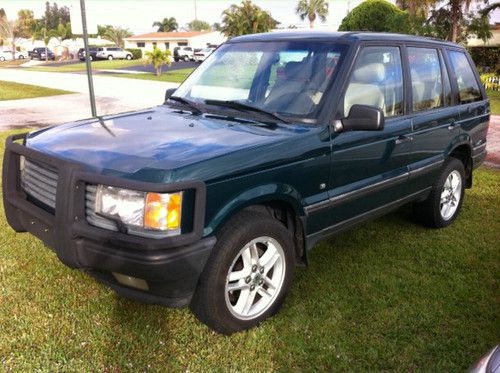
pixel 274 142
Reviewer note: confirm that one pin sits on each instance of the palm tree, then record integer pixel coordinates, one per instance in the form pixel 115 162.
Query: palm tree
pixel 158 58
pixel 9 30
pixel 311 9
pixel 117 35
pixel 416 8
pixel 246 18
pixel 457 10
pixel 168 24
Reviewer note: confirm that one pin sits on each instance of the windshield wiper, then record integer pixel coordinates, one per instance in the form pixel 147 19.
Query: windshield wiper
pixel 241 106
pixel 191 105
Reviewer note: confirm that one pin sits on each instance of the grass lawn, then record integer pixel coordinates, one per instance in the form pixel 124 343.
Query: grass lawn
pixel 494 97
pixel 387 295
pixel 174 76
pixel 96 65
pixel 15 91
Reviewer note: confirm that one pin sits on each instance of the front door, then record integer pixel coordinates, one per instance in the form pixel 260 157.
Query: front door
pixel 370 168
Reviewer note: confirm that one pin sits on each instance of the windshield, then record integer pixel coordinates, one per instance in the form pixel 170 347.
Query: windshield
pixel 286 77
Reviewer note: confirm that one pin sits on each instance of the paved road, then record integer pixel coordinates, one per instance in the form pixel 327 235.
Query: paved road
pixel 114 95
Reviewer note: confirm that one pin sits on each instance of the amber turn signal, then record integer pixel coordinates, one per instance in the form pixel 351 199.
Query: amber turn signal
pixel 163 211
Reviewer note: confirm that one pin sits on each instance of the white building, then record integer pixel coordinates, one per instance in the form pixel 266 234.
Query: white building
pixel 170 40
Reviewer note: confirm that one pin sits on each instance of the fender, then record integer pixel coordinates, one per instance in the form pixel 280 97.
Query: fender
pixel 274 192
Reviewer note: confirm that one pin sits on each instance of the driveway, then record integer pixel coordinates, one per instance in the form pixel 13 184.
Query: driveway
pixel 150 69
pixel 113 95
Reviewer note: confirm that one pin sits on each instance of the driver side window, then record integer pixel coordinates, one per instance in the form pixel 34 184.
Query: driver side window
pixel 376 80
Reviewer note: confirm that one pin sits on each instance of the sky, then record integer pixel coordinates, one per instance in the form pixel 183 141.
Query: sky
pixel 139 15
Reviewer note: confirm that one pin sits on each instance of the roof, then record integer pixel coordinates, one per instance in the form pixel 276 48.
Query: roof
pixel 169 35
pixel 330 35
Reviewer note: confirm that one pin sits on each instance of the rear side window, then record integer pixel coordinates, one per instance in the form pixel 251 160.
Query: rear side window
pixel 468 87
pixel 426 79
pixel 377 80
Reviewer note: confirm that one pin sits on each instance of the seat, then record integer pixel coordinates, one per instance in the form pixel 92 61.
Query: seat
pixel 365 87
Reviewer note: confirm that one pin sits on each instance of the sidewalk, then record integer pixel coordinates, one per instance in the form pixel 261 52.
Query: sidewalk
pixel 493 143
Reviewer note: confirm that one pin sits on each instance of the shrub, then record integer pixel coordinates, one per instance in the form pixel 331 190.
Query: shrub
pixel 136 53
pixel 376 15
pixel 486 58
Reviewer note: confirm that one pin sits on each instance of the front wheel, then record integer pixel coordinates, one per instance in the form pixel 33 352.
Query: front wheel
pixel 110 58
pixel 248 274
pixel 445 200
pixel 129 57
pixel 186 58
pixel 2 59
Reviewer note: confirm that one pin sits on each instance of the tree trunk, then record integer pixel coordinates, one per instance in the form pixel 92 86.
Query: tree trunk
pixel 455 15
pixel 13 49
pixel 46 54
pixel 311 22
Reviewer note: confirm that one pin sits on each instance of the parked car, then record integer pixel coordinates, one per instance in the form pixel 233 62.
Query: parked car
pixel 39 54
pixel 277 141
pixel 92 53
pixel 202 55
pixel 488 363
pixel 113 53
pixel 6 55
pixel 183 53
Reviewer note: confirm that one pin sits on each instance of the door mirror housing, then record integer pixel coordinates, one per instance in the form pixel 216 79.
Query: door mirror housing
pixel 169 92
pixel 364 118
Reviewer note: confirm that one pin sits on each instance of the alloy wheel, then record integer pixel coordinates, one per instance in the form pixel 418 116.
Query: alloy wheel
pixel 450 195
pixel 255 278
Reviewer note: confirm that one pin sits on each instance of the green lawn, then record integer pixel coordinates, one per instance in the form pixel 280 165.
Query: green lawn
pixel 174 76
pixel 15 91
pixel 96 65
pixel 12 63
pixel 494 97
pixel 388 295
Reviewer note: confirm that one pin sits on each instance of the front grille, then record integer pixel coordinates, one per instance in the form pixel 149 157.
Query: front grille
pixel 40 182
pixel 92 217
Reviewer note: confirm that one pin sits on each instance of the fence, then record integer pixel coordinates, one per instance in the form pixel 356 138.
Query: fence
pixel 491 82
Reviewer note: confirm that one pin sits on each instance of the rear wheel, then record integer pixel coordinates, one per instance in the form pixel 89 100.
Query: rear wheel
pixel 110 57
pixel 248 274
pixel 129 57
pixel 445 200
pixel 2 58
pixel 186 58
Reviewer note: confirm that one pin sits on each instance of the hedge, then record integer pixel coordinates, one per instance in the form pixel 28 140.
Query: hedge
pixel 136 53
pixel 486 59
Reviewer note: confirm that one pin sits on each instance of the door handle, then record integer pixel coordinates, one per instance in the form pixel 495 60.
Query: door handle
pixel 452 126
pixel 401 139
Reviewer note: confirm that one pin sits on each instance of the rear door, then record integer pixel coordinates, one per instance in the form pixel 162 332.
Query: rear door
pixel 370 168
pixel 433 113
pixel 472 106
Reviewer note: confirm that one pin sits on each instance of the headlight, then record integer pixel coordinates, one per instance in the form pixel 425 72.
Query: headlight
pixel 152 211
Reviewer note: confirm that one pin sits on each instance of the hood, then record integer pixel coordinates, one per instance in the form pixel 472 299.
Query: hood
pixel 162 144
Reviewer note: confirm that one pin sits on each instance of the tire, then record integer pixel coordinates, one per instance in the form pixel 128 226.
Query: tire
pixel 176 59
pixel 110 58
pixel 91 58
pixel 129 57
pixel 21 57
pixel 443 204
pixel 225 310
pixel 2 59
pixel 186 58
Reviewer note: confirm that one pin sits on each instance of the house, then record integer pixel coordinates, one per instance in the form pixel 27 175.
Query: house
pixel 170 40
pixel 494 41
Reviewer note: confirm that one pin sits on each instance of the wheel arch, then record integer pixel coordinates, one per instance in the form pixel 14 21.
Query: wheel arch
pixel 282 202
pixel 463 152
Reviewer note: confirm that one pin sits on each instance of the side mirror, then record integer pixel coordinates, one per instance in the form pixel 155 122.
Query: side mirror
pixel 363 118
pixel 169 93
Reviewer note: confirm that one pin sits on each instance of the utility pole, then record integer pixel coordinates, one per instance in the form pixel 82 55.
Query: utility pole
pixel 87 60
pixel 195 10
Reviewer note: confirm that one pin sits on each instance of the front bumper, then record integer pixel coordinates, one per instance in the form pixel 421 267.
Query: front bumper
pixel 170 266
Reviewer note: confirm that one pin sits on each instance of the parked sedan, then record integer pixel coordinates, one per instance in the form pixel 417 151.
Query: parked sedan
pixel 202 55
pixel 6 55
pixel 39 54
